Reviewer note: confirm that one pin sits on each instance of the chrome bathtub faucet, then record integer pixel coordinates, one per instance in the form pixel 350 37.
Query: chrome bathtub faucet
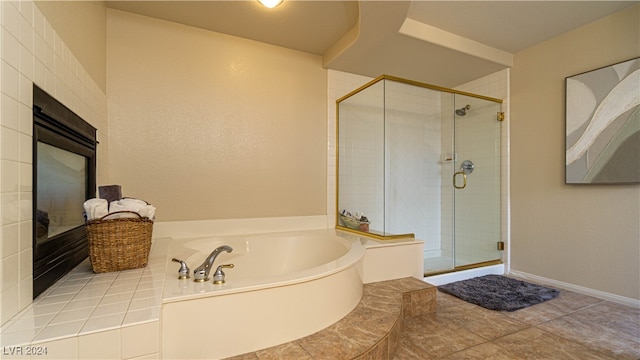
pixel 201 273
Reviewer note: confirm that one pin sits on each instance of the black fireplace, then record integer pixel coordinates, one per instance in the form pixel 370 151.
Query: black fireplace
pixel 64 176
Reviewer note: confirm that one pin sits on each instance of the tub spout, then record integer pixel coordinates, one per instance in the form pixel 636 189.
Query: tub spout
pixel 201 273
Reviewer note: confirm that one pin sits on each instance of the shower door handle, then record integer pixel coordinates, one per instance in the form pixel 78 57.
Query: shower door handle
pixel 464 180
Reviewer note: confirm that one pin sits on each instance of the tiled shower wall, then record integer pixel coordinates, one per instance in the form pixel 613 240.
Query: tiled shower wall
pixel 392 142
pixel 361 140
pixel 32 52
pixel 339 84
pixel 413 169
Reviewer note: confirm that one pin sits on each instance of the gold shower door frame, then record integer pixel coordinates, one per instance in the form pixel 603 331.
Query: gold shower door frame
pixel 384 235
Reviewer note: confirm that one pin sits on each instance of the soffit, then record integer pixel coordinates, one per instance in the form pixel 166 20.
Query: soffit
pixel 449 42
pixel 512 25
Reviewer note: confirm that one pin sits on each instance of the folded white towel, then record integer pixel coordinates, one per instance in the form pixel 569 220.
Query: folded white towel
pixel 96 208
pixel 132 202
pixel 148 211
pixel 139 206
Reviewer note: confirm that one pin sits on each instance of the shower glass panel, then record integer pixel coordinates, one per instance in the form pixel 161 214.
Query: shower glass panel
pixel 476 207
pixel 412 160
pixel 402 147
pixel 361 157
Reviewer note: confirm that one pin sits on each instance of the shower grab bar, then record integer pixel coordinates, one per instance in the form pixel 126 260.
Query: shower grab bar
pixel 464 178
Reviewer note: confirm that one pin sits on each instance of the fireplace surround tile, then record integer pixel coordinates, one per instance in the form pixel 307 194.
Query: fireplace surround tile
pixel 84 303
pixel 59 331
pixel 38 55
pixel 102 323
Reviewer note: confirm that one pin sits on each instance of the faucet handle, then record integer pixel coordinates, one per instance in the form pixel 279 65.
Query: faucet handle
pixel 218 276
pixel 183 272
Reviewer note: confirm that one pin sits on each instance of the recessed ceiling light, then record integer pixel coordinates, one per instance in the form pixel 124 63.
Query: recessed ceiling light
pixel 270 3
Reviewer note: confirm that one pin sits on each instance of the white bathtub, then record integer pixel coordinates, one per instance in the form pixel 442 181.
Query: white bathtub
pixel 284 286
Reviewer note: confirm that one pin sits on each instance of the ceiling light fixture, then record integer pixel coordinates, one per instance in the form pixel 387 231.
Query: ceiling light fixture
pixel 270 3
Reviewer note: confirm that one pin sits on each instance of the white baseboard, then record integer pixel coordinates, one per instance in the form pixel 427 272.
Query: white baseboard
pixel 442 279
pixel 577 288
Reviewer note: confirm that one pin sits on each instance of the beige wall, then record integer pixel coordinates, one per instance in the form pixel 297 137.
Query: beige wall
pixel 82 27
pixel 209 126
pixel 584 235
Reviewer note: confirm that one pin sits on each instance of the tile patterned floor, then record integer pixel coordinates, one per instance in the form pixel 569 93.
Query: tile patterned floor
pixel 572 326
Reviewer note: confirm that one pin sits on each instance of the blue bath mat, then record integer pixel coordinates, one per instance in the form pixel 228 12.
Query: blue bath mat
pixel 497 292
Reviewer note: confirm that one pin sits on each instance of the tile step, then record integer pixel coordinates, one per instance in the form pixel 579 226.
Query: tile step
pixel 371 331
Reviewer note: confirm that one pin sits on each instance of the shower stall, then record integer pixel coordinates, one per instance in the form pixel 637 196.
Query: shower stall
pixel 423 160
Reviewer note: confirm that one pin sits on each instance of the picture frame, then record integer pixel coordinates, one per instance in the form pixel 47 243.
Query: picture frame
pixel 602 125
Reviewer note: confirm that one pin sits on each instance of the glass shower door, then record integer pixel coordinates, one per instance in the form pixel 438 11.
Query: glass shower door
pixel 475 181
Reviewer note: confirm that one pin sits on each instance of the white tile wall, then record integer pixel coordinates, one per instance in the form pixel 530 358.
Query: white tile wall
pixel 402 118
pixel 32 52
pixel 361 140
pixel 339 84
pixel 413 167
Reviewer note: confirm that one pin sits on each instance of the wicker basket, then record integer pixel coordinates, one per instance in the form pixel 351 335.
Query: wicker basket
pixel 119 244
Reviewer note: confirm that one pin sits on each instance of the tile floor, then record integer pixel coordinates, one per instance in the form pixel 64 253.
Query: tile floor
pixel 572 326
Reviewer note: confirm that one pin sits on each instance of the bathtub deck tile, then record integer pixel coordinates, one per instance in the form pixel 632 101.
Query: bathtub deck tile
pixel 371 323
pixel 81 298
pixel 379 351
pixel 381 298
pixel 394 337
pixel 361 332
pixel 401 286
pixel 249 356
pixel 288 351
pixel 382 290
pixel 329 344
pixel 420 302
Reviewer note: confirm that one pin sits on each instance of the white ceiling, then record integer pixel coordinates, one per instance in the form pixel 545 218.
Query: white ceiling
pixel 444 43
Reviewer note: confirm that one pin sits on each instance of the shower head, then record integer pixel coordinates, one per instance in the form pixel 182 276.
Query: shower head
pixel 463 110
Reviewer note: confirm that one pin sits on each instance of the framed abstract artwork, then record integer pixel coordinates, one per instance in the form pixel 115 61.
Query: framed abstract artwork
pixel 603 125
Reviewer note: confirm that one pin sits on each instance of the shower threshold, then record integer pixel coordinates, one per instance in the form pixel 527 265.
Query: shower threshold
pixel 461 268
